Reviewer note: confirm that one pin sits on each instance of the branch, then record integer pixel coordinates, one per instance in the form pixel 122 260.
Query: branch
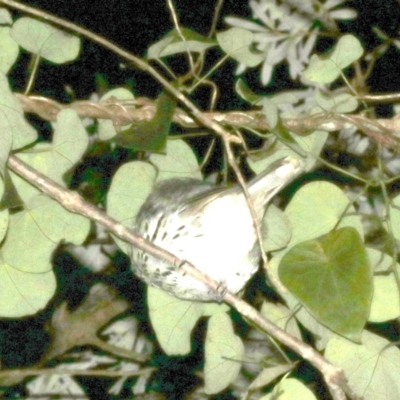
pixel 73 202
pixel 123 112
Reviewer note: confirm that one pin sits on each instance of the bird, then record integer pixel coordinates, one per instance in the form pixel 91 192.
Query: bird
pixel 209 226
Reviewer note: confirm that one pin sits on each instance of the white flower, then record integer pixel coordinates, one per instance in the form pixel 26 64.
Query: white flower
pixel 289 32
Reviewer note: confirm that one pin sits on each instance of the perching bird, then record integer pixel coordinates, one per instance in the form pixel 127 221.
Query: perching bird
pixel 208 226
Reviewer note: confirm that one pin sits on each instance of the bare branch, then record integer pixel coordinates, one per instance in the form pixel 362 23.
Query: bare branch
pixel 73 202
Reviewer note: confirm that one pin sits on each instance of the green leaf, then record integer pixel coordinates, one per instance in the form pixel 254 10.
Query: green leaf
pixel 331 276
pixel 276 230
pixel 13 121
pixel 9 50
pixel 386 301
pixel 172 44
pixel 173 320
pixel 282 317
pixel 245 92
pixel 70 141
pixel 326 69
pixel 24 293
pixel 4 221
pixel 42 39
pixel 340 103
pixel 321 333
pixel 106 126
pixel 236 43
pixel 268 375
pixel 224 352
pixel 372 368
pixel 36 231
pixel 395 217
pixel 178 162
pixel 130 186
pixel 315 210
pixel 290 389
pixel 151 135
pixel 270 111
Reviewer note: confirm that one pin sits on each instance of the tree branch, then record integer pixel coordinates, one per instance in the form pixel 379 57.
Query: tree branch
pixel 73 202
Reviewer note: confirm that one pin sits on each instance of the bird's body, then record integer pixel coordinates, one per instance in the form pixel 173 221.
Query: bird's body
pixel 208 226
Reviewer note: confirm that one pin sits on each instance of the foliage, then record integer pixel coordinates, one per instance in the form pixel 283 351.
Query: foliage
pixel 332 246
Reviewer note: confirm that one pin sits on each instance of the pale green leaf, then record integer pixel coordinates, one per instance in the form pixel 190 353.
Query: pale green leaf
pixel 326 69
pixel 106 126
pixel 5 17
pixel 5 148
pixel 282 316
pixel 340 103
pixel 245 92
pixel 224 353
pixel 276 230
pixel 380 262
pixel 70 141
pixel 270 111
pixel 395 217
pixel 173 320
pixel 315 210
pixel 24 293
pixel 44 40
pixel 130 186
pixel 331 276
pixel 290 389
pixel 178 162
pixel 312 145
pixel 372 368
pixel 236 43
pixel 386 301
pixel 4 218
pixel 12 112
pixel 172 43
pixel 268 375
pixel 36 231
pixel 8 50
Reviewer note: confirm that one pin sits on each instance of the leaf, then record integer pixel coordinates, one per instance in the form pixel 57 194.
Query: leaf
pixel 236 43
pixel 173 320
pixel 150 135
pixel 13 121
pixel 276 230
pixel 372 368
pixel 24 293
pixel 326 69
pixel 270 111
pixel 44 40
pixel 106 126
pixel 4 218
pixel 282 317
pixel 386 301
pixel 341 103
pixel 290 389
pixel 268 375
pixel 36 231
pixel 224 352
pixel 315 209
pixel 172 43
pixel 70 141
pixel 331 276
pixel 178 162
pixel 394 213
pixel 130 186
pixel 9 50
pixel 245 92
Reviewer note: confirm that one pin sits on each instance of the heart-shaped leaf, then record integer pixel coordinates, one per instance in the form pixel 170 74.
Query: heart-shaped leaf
pixel 331 276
